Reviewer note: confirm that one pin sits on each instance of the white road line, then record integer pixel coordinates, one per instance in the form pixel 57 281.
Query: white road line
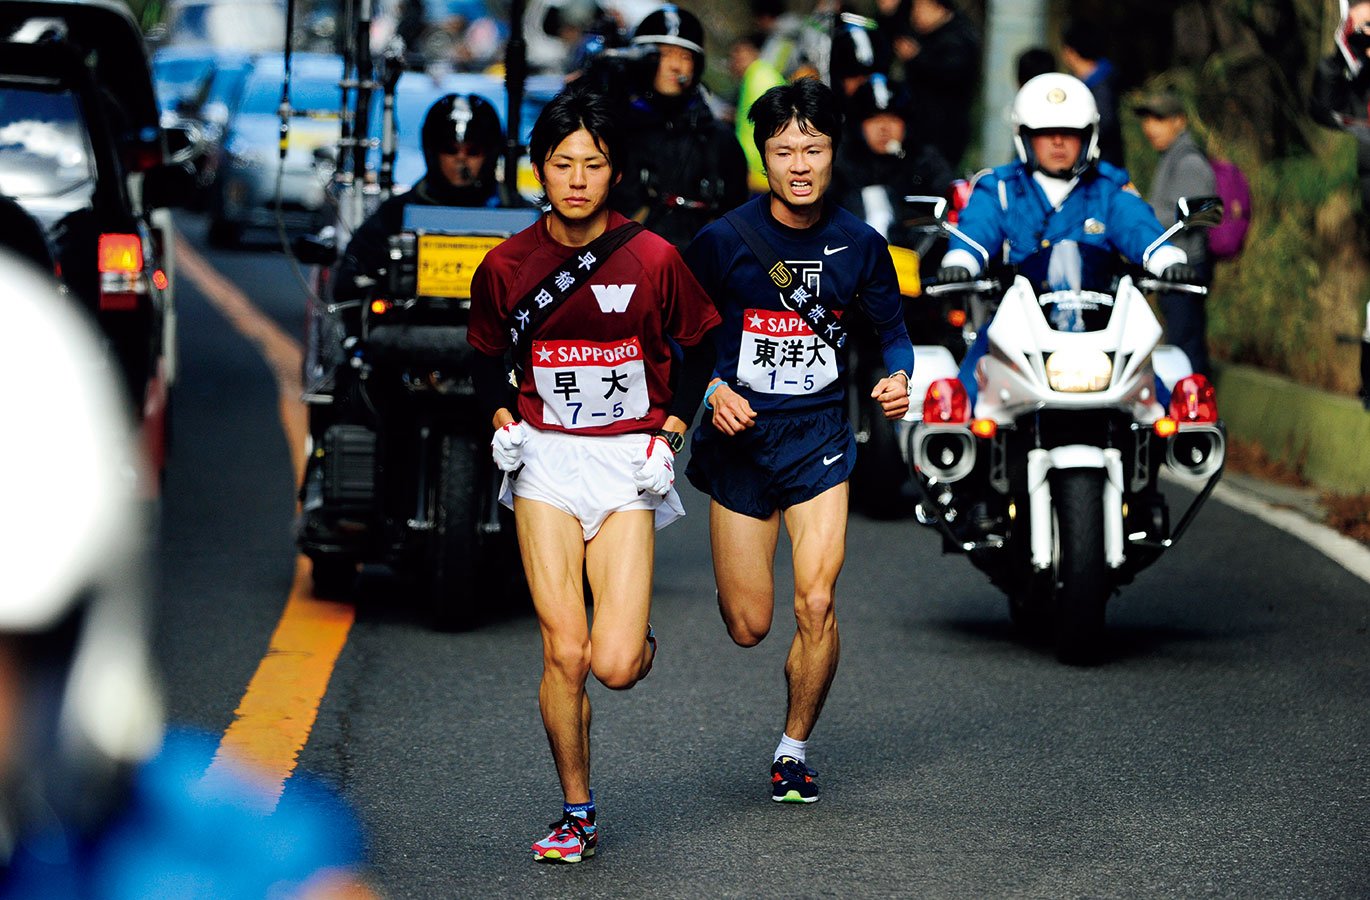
pixel 1345 552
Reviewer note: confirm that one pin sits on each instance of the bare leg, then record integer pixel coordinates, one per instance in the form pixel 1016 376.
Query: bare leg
pixel 553 549
pixel 618 561
pixel 744 570
pixel 818 533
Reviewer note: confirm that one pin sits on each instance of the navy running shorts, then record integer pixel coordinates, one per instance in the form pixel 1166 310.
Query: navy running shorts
pixel 781 461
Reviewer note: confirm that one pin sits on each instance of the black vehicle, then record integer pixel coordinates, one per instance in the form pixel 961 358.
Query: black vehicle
pixel 401 473
pixel 84 155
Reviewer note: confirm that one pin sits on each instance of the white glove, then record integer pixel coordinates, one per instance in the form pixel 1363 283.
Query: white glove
pixel 507 446
pixel 658 472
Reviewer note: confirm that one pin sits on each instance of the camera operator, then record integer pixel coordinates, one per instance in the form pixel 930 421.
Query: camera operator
pixel 684 168
pixel 462 139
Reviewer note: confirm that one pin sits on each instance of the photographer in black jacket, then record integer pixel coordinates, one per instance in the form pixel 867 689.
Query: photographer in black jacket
pixel 683 168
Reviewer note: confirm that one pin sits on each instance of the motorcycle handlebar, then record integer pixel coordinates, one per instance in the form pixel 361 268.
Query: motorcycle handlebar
pixel 978 286
pixel 1157 284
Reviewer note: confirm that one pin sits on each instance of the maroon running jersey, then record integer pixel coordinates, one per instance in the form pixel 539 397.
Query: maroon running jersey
pixel 600 363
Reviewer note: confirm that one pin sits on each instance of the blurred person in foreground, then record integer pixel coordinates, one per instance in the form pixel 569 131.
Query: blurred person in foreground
pixel 97 797
pixel 1341 99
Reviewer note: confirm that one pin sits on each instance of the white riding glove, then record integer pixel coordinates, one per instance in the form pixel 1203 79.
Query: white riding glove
pixel 658 472
pixel 507 446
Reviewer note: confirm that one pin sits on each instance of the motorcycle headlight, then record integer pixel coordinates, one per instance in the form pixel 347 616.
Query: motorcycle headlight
pixel 1079 371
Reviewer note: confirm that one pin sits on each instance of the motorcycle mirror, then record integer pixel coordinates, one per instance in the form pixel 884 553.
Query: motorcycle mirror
pixel 926 210
pixel 313 250
pixel 1205 211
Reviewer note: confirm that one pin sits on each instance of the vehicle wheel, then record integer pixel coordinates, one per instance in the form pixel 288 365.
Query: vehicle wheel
pixel 452 597
pixel 877 481
pixel 333 576
pixel 1081 584
pixel 223 234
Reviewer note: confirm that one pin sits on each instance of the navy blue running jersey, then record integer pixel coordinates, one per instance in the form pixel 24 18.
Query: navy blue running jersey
pixel 768 353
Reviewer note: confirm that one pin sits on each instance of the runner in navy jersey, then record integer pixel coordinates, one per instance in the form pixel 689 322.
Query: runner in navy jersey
pixel 777 443
pixel 588 446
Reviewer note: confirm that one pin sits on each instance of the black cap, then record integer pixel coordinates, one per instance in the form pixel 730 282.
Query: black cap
pixel 1161 104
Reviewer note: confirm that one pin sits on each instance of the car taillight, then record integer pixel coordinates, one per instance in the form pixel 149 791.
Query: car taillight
pixel 120 260
pixel 946 402
pixel 121 253
pixel 1194 400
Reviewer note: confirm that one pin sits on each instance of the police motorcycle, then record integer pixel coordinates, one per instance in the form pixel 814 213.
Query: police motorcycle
pixel 1048 481
pixel 399 472
pixel 939 328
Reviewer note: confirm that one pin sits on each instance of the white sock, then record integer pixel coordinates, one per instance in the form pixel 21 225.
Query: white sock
pixel 788 746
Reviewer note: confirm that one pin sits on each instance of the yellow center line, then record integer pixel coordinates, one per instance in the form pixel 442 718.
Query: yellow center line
pixel 272 722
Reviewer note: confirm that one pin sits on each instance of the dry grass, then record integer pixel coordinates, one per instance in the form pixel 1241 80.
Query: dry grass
pixel 1348 514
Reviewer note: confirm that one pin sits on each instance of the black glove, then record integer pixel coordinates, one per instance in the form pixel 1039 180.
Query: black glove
pixel 953 274
pixel 1184 273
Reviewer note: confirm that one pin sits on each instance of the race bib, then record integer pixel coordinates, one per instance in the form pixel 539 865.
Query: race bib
pixel 587 385
pixel 780 354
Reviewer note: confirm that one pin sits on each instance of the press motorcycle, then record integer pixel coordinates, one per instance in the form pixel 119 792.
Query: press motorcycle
pixel 1049 479
pixel 400 471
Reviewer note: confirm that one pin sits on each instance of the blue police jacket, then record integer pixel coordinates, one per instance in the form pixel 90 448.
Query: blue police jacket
pixel 1103 210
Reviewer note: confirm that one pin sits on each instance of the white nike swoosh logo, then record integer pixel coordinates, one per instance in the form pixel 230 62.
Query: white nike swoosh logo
pixel 829 251
pixel 829 460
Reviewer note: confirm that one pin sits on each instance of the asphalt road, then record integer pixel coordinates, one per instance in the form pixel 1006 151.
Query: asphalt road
pixel 1221 749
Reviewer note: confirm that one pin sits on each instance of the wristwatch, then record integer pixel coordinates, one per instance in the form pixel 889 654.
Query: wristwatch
pixel 674 439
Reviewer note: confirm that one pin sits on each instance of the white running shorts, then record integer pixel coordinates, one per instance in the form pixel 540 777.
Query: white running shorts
pixel 587 477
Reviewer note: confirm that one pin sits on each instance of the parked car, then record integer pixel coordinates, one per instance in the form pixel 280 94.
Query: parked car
pixel 82 151
pixel 249 167
pixel 248 25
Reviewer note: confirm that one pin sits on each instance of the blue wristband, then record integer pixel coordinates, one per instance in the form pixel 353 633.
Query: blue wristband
pixel 710 392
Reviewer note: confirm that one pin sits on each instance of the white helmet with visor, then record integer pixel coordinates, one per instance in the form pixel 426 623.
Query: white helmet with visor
pixel 1056 102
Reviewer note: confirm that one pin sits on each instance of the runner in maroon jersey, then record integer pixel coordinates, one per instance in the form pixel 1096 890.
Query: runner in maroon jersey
pixel 589 445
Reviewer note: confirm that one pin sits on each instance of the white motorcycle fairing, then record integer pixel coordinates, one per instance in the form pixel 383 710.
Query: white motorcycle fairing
pixel 1012 377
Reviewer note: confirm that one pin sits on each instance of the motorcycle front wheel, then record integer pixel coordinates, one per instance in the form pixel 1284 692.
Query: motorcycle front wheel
pixel 453 599
pixel 1081 584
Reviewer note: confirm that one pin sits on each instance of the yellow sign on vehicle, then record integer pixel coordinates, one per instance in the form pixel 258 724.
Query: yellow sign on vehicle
pixel 906 268
pixel 447 263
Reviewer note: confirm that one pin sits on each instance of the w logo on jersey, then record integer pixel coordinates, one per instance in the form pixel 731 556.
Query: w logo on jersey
pixel 613 298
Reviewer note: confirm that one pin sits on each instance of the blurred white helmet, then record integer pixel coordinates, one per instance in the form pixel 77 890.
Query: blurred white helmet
pixel 72 554
pixel 1056 102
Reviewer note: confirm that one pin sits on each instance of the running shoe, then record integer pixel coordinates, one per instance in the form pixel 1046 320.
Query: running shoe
pixel 792 781
pixel 572 839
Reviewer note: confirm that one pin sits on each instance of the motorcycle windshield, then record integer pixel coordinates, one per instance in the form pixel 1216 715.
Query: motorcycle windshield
pixel 1074 283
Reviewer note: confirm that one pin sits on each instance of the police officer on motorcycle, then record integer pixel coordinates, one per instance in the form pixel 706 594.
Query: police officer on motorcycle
pixel 684 168
pixel 462 140
pixel 1057 190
